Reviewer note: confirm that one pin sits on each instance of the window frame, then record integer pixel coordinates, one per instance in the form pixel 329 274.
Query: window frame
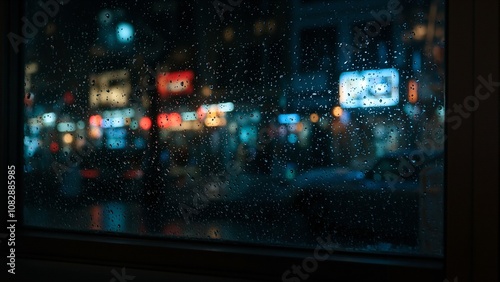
pixel 471 217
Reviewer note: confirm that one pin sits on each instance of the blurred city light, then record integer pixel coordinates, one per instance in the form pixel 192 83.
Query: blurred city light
pixel 145 123
pixel 68 98
pixel 124 32
pixel 54 147
pixel 66 127
pixel 165 120
pixel 95 120
pixel 188 116
pixel 292 138
pixel 95 132
pixel 206 91
pixel 412 91
pixel 288 118
pixel 111 88
pixel 68 138
pixel 175 83
pixel 370 88
pixel 314 118
pixel 49 119
pixel 228 34
pixel 337 111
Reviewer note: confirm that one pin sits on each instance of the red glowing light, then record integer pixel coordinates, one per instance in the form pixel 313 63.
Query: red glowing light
pixel 172 229
pixel 169 120
pixel 54 147
pixel 68 98
pixel 95 120
pixel 29 99
pixel 133 174
pixel 175 83
pixel 201 113
pixel 145 123
pixel 89 173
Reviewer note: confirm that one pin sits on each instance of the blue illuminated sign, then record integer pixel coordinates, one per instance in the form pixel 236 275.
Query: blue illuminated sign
pixel 288 118
pixel 370 88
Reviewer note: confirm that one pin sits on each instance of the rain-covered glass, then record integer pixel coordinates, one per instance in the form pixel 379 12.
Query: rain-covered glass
pixel 263 122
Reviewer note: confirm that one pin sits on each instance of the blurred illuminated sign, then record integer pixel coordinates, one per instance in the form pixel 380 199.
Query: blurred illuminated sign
pixel 175 83
pixel 169 120
pixel 110 88
pixel 288 118
pixel 371 88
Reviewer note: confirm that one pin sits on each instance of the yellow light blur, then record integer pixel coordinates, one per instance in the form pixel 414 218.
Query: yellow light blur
pixel 67 138
pixel 111 88
pixel 271 25
pixel 258 28
pixel 419 32
pixel 314 118
pixel 215 121
pixel 229 34
pixel 95 132
pixel 337 111
pixel 186 125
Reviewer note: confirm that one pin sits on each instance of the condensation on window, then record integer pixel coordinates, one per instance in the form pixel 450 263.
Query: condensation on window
pixel 264 122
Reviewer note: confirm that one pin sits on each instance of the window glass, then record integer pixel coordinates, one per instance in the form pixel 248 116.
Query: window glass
pixel 263 122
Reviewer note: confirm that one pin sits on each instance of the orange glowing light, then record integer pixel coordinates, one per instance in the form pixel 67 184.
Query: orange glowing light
pixel 95 120
pixel 96 218
pixel 412 91
pixel 314 118
pixel 337 111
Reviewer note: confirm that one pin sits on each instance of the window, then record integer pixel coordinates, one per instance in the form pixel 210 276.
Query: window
pixel 230 159
pixel 158 121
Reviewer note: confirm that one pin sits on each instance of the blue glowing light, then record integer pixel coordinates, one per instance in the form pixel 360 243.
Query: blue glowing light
pixel 292 138
pixel 288 118
pixel 125 32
